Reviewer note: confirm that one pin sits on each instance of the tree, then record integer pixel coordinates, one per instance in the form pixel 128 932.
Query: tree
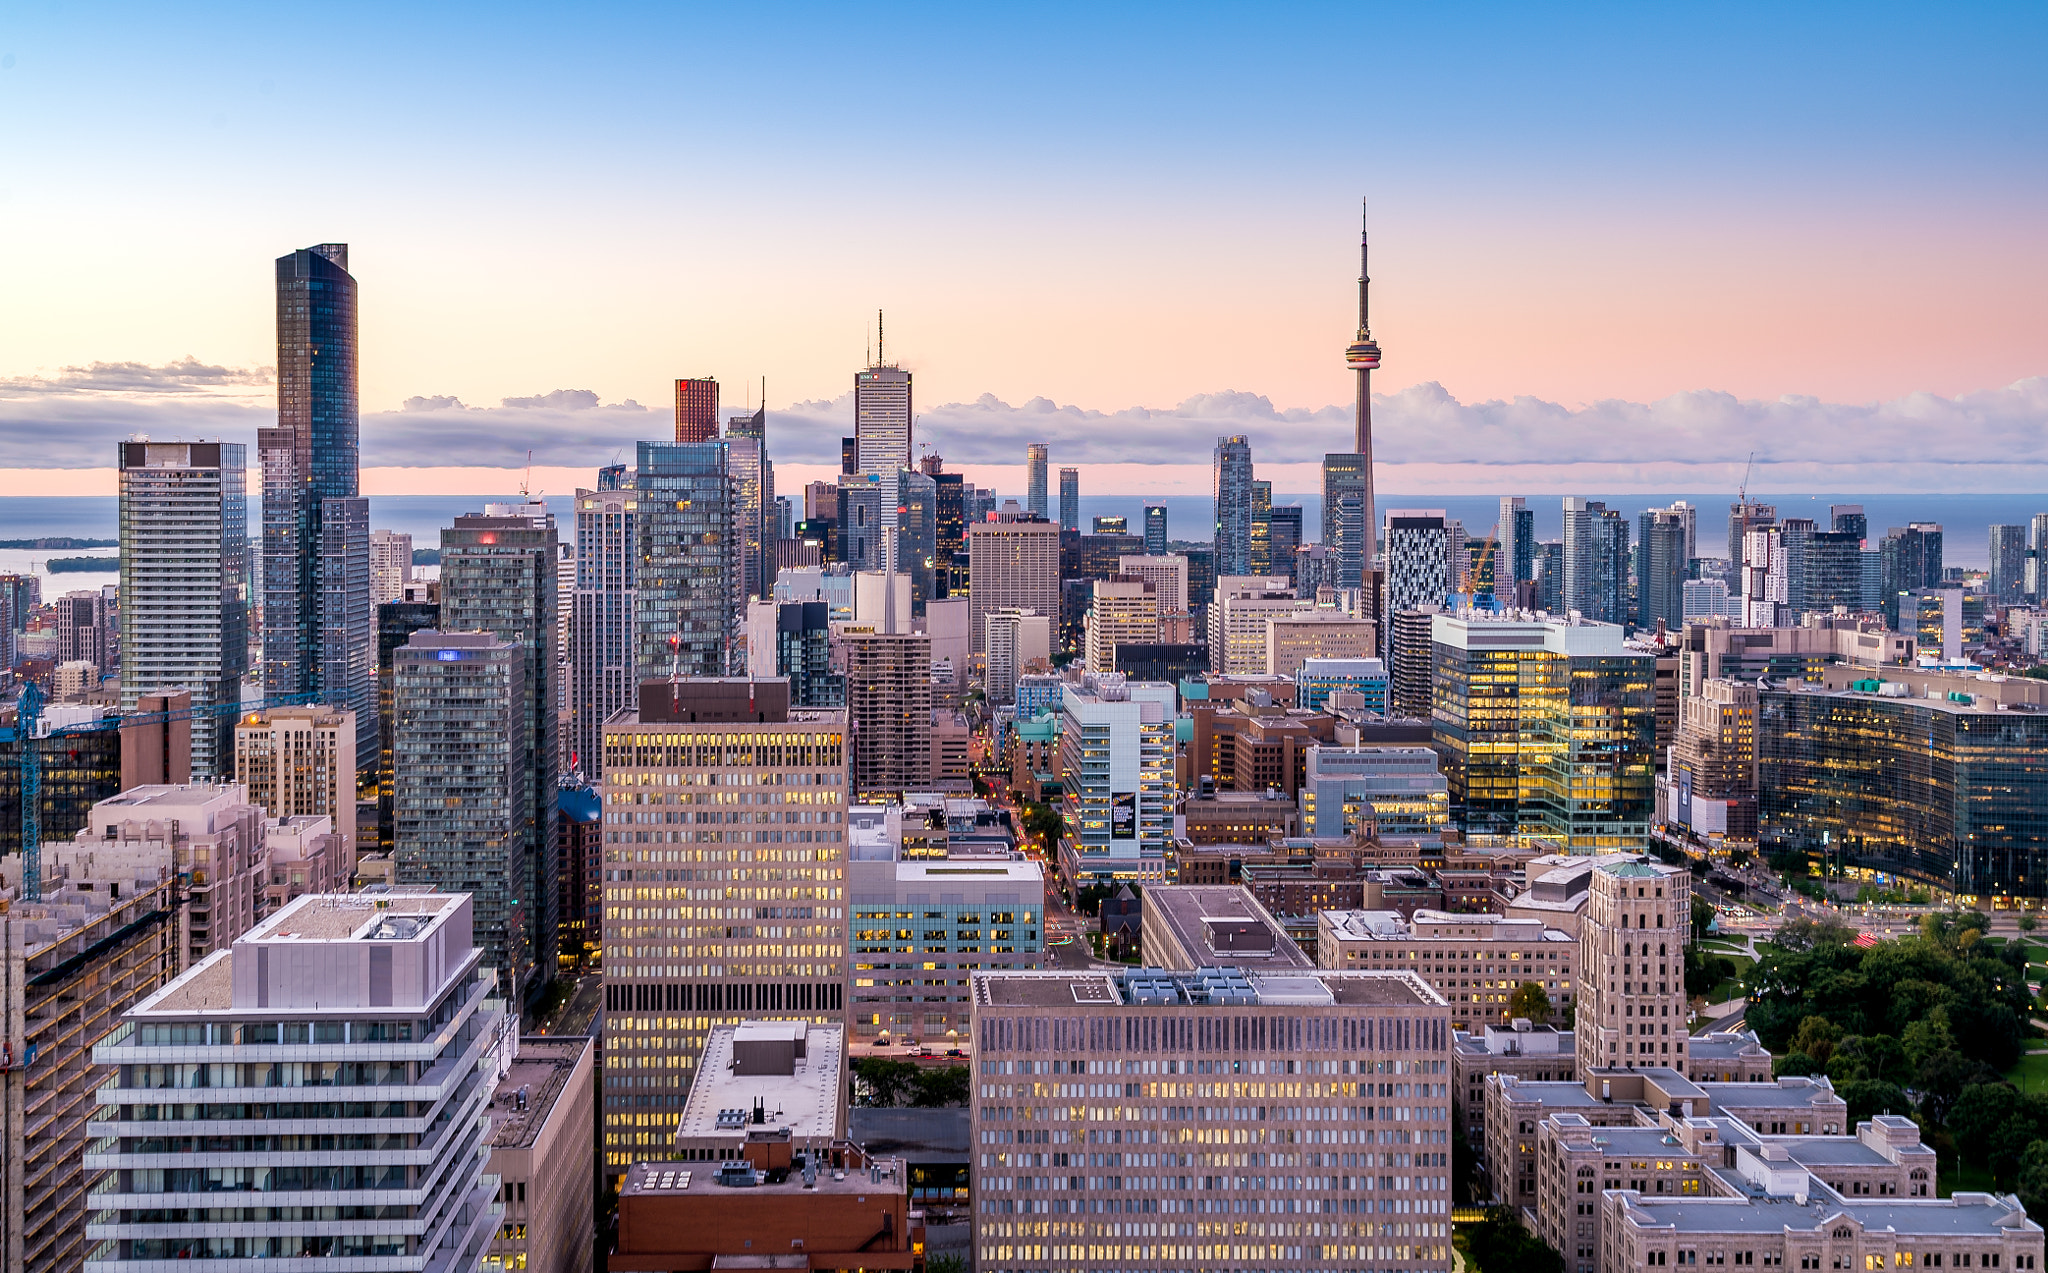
pixel 1499 1244
pixel 2028 923
pixel 1530 1000
pixel 1703 971
pixel 1926 1037
pixel 881 1080
pixel 1702 915
pixel 1869 1058
pixel 2032 1185
pixel 942 1086
pixel 1816 1036
pixel 1866 1097
pixel 1795 1063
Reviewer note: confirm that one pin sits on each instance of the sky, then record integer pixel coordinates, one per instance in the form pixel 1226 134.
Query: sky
pixel 1615 248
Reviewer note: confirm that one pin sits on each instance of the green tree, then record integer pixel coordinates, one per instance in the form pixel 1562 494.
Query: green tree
pixel 882 1080
pixel 1499 1244
pixel 1869 1058
pixel 1703 971
pixel 935 1087
pixel 2032 1185
pixel 1530 1000
pixel 1702 915
pixel 1926 1037
pixel 1816 1036
pixel 1866 1097
pixel 2028 923
pixel 1794 1063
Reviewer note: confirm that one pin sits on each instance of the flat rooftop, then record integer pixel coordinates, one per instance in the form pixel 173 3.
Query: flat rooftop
pixel 1219 925
pixel 1156 987
pixel 805 1099
pixel 700 1181
pixel 1966 1214
pixel 392 916
pixel 542 1070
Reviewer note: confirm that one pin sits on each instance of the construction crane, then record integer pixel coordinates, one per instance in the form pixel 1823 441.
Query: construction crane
pixel 29 712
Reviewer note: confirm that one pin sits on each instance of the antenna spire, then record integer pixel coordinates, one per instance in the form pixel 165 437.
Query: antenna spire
pixel 1363 280
pixel 880 357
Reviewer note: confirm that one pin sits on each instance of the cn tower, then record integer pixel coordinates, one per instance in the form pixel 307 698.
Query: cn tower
pixel 1362 356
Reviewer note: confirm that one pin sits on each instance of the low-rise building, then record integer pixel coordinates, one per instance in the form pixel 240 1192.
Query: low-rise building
pixel 1532 1053
pixel 1729 1056
pixel 1476 962
pixel 1232 818
pixel 207 833
pixel 921 927
pixel 1193 926
pixel 1389 793
pixel 1814 1231
pixel 780 1084
pixel 541 1141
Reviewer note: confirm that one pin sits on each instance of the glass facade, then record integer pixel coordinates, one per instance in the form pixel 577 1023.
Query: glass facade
pixel 603 677
pixel 687 581
pixel 1946 793
pixel 396 622
pixel 1233 464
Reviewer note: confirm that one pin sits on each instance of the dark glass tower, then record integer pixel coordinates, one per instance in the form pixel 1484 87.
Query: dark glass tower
pixel 317 632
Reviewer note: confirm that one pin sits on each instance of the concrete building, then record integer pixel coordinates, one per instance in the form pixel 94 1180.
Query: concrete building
pixel 921 927
pixel 1117 742
pixel 185 583
pixel 709 922
pixel 1340 1171
pixel 1167 573
pixel 1812 1228
pixel 208 834
pixel 1476 962
pixel 87 630
pixel 1411 663
pixel 1238 615
pixel 1013 565
pixel 93 947
pixel 1384 793
pixel 1120 611
pixel 541 1119
pixel 459 787
pixel 1710 783
pixel 301 762
pixel 385 991
pixel 1318 678
pixel 1532 1053
pixel 1238 819
pixel 783 1083
pixel 390 565
pixel 1595 561
pixel 1012 641
pixel 1186 927
pixel 882 417
pixel 1547 730
pixel 1632 1004
pixel 306 856
pixel 1319 635
pixel 888 710
pixel 602 672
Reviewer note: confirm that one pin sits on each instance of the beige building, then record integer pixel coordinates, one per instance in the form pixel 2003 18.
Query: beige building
pixel 1532 1053
pixel 888 710
pixel 301 762
pixel 1217 1118
pixel 1237 620
pixel 724 887
pixel 541 1119
pixel 306 856
pixel 1167 574
pixel 1292 639
pixel 1476 962
pixel 951 742
pixel 1121 611
pixel 1012 642
pixel 206 833
pixel 1632 1002
pixel 390 565
pixel 1710 782
pixel 1812 1230
pixel 1012 565
pixel 1188 926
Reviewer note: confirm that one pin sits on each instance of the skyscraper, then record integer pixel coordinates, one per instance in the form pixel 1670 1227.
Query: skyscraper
pixel 1262 527
pixel 2008 581
pixel 1155 530
pixel 1834 571
pixel 1233 500
pixel 1283 536
pixel 1013 565
pixel 602 672
pixel 1514 549
pixel 1640 902
pixel 1849 519
pixel 697 410
pixel 1415 583
pixel 2037 556
pixel 1911 557
pixel 499 576
pixel 1660 570
pixel 1595 560
pixel 882 417
pixel 1344 502
pixel 686 586
pixel 1035 457
pixel 753 480
pixel 888 710
pixel 185 583
pixel 313 620
pixel 1363 357
pixel 1070 499
pixel 390 565
pixel 1744 516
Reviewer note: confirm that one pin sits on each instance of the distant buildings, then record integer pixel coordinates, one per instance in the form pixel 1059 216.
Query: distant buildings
pixel 1233 501
pixel 1034 480
pixel 1155 530
pixel 687 586
pixel 882 418
pixel 390 565
pixel 1013 565
pixel 1070 499
pixel 300 762
pixel 1595 561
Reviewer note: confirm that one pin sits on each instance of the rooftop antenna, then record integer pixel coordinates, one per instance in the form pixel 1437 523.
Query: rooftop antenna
pixel 880 357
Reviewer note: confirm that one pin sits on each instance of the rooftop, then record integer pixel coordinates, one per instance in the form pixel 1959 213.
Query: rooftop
pixel 703 1180
pixel 784 1074
pixel 1158 987
pixel 1214 925
pixel 1965 1214
pixel 527 1095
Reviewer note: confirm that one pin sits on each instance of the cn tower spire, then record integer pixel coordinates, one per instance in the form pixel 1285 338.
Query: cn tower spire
pixel 1363 356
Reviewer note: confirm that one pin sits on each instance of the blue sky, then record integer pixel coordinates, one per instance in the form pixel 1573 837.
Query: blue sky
pixel 1108 208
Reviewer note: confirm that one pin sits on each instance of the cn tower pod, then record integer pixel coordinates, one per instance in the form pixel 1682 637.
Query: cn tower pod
pixel 1363 353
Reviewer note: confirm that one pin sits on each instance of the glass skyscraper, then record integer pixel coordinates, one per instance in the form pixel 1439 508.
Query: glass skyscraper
pixel 603 678
pixel 1344 528
pixel 317 632
pixel 1233 506
pixel 687 581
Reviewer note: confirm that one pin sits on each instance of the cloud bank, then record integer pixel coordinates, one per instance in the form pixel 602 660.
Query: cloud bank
pixel 1992 440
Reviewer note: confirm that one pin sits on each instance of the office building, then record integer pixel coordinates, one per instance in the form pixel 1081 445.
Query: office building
pixel 1547 730
pixel 1117 779
pixel 696 409
pixel 461 765
pixel 1632 1005
pixel 1514 553
pixel 889 709
pixel 377 991
pixel 1283 536
pixel 1476 962
pixel 602 673
pixel 1318 678
pixel 1013 640
pixel 1120 610
pixel 1237 620
pixel 396 622
pixel 1233 501
pixel 1833 572
pixel 541 1119
pixel 1411 662
pixel 713 923
pixel 1417 569
pixel 1923 773
pixel 1155 530
pixel 1070 499
pixel 185 583
pixel 1262 528
pixel 1595 561
pixel 1848 519
pixel 1167 574
pixel 1344 528
pixel 949 525
pixel 579 871
pixel 84 633
pixel 1744 516
pixel 500 575
pixel 1191 926
pixel 921 927
pixel 1911 557
pixel 1013 565
pixel 207 834
pixel 301 762
pixel 754 501
pixel 765 1085
pixel 93 947
pixel 882 416
pixel 895 511
pixel 1295 637
pixel 2037 556
pixel 1661 566
pixel 1144 1053
pixel 687 585
pixel 317 617
pixel 1388 793
pixel 1709 650
pixel 1710 787
pixel 2007 583
pixel 1035 459
pixel 793 639
pixel 390 565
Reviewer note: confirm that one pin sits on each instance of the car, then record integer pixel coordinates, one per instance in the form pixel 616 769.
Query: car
pixel 955 1052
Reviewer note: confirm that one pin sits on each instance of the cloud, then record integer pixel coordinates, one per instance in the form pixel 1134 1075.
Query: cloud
pixel 1991 440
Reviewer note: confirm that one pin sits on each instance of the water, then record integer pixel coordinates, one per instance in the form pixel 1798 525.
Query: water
pixel 1965 519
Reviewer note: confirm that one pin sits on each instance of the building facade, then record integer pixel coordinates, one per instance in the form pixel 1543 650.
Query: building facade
pixel 1012 565
pixel 301 762
pixel 1233 501
pixel 1632 1004
pixel 687 582
pixel 1116 779
pixel 602 671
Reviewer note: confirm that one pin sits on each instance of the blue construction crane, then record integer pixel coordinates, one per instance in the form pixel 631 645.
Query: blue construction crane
pixel 29 710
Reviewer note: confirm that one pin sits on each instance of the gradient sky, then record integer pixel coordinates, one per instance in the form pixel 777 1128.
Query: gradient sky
pixel 1109 207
